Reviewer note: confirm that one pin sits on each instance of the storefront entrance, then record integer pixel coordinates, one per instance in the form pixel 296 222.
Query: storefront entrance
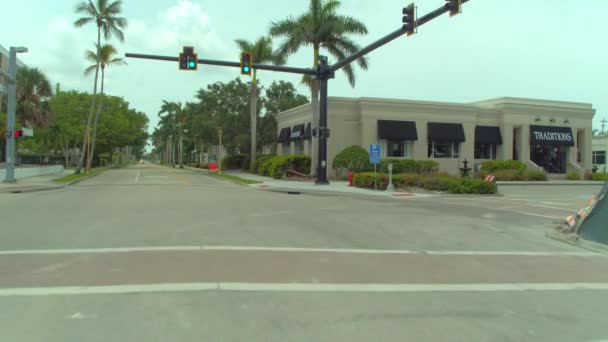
pixel 549 147
pixel 552 159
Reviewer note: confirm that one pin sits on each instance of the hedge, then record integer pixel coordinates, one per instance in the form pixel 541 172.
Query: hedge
pixel 516 175
pixel 233 162
pixel 536 175
pixel 408 166
pixel 436 182
pixel 259 160
pixel 353 158
pixel 497 165
pixel 275 166
pixel 573 175
pixel 599 176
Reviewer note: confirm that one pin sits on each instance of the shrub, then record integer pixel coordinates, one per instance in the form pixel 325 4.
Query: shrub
pixel 366 180
pixel 435 182
pixel 233 162
pixel 353 158
pixel 498 165
pixel 259 160
pixel 600 176
pixel 504 175
pixel 471 186
pixel 536 175
pixel 405 180
pixel 573 175
pixel 409 166
pixel 276 166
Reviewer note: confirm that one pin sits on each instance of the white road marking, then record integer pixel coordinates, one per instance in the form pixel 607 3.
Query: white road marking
pixel 137 177
pixel 293 249
pixel 539 215
pixel 295 287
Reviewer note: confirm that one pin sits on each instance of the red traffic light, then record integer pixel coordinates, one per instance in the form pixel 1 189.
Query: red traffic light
pixel 18 133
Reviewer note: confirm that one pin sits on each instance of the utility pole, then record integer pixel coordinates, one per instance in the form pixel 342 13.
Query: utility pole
pixel 12 107
pixel 219 153
pixel 603 124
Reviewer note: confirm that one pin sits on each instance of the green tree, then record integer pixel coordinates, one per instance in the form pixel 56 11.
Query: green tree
pixel 68 110
pixel 262 53
pixel 33 92
pixel 107 18
pixel 279 96
pixel 107 57
pixel 320 27
pixel 172 114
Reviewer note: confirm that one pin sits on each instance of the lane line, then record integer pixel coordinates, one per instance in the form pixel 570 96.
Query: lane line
pixel 296 287
pixel 182 179
pixel 295 249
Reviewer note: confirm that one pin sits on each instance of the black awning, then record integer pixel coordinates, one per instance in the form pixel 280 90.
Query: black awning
pixel 308 132
pixel 297 132
pixel 397 130
pixel 284 135
pixel 488 135
pixel 445 131
pixel 551 136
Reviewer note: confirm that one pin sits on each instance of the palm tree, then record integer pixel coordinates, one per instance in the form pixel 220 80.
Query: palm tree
pixel 105 58
pixel 174 122
pixel 320 27
pixel 262 53
pixel 33 91
pixel 106 16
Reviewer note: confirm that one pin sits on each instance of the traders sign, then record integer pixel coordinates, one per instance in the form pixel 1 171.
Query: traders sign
pixel 551 136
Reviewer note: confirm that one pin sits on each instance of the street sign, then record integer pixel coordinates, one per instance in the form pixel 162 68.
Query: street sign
pixel 374 154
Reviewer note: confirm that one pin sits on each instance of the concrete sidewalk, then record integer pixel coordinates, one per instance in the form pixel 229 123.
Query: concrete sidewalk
pixel 552 182
pixel 309 187
pixel 40 183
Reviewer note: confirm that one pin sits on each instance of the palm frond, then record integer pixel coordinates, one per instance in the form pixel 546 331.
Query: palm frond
pixel 83 21
pixel 90 69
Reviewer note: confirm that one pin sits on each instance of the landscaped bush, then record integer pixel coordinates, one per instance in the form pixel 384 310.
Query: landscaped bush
pixel 504 175
pixel 353 158
pixel 367 179
pixel 405 180
pixel 471 186
pixel 573 175
pixel 255 166
pixel 233 162
pixel 436 182
pixel 497 165
pixel 600 176
pixel 408 166
pixel 536 175
pixel 276 166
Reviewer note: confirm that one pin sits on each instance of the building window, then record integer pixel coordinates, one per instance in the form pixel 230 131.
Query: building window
pixel 485 151
pixel 298 147
pixel 599 157
pixel 285 148
pixel 399 148
pixel 443 149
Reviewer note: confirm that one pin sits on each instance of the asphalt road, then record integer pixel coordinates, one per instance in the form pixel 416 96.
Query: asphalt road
pixel 151 253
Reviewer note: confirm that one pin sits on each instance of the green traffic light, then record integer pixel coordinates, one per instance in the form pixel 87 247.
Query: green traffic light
pixel 192 65
pixel 246 69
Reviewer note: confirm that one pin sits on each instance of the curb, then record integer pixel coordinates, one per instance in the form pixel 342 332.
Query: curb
pixel 39 189
pixel 81 179
pixel 550 183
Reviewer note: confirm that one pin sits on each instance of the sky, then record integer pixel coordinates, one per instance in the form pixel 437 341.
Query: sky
pixel 546 49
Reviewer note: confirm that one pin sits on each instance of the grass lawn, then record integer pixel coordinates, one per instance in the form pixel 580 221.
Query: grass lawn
pixel 73 177
pixel 235 178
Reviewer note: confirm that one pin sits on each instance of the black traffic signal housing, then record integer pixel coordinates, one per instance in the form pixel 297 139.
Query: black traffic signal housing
pixel 18 133
pixel 188 60
pixel 455 7
pixel 246 63
pixel 409 19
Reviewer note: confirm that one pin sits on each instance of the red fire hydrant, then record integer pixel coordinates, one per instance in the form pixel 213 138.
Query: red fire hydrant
pixel 350 178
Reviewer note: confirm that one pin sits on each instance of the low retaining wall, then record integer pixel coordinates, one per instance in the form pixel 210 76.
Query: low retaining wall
pixel 27 172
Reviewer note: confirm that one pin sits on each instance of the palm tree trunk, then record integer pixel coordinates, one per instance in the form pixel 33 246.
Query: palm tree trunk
pixel 87 130
pixel 254 118
pixel 315 117
pixel 99 108
pixel 180 148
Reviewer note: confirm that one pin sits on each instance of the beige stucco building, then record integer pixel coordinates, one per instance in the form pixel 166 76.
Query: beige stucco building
pixel 4 58
pixel 553 135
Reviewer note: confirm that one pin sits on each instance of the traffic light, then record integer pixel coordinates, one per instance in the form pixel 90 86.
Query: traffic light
pixel 409 19
pixel 455 7
pixel 18 133
pixel 246 63
pixel 188 60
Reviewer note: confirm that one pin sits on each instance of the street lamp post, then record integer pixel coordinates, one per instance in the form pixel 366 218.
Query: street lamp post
pixel 10 120
pixel 219 169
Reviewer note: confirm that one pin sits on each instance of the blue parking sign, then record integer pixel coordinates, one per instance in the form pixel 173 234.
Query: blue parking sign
pixel 374 154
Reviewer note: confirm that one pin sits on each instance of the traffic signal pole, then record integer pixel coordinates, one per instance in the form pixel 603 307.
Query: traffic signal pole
pixel 323 72
pixel 10 118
